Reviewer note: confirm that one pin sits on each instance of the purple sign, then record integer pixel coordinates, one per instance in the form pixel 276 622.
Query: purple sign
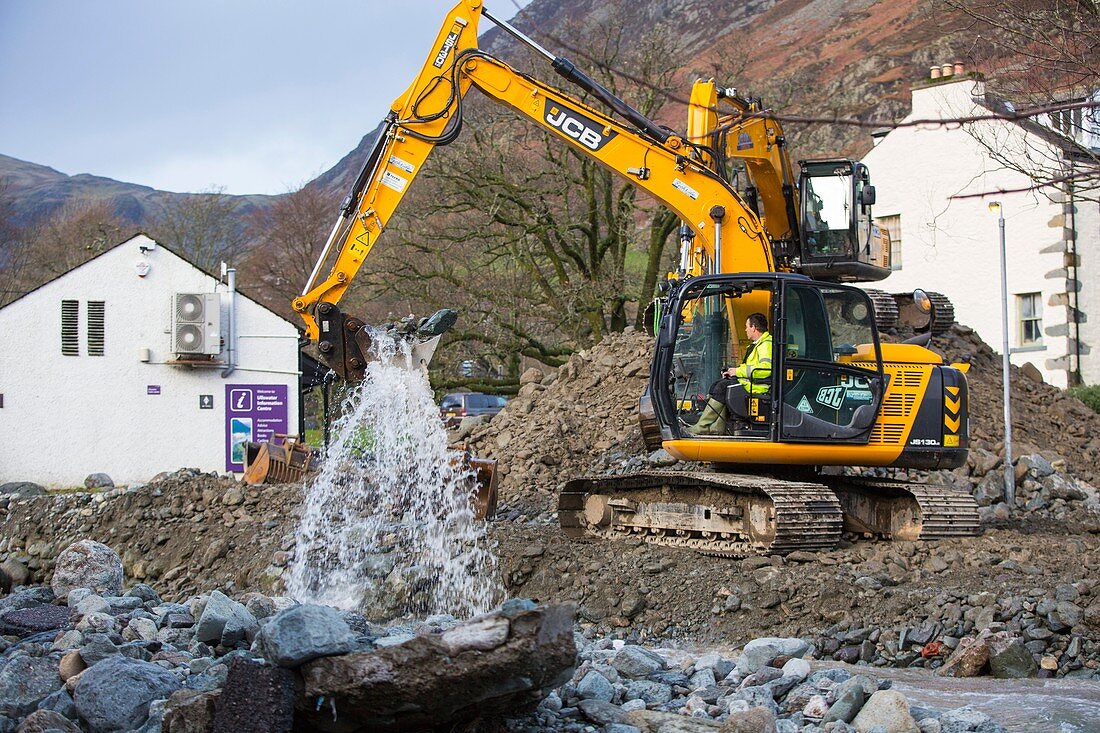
pixel 152 389
pixel 253 413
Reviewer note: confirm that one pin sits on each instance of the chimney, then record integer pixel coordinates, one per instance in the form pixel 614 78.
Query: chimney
pixel 959 68
pixel 934 72
pixel 948 70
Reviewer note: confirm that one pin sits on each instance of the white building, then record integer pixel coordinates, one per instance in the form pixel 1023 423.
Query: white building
pixel 108 369
pixel 934 185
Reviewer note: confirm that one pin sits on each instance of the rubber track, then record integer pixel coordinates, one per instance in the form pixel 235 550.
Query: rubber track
pixel 886 309
pixel 807 515
pixel 945 512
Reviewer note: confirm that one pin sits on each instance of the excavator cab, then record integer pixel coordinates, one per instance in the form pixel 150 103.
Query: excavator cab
pixel 826 383
pixel 840 241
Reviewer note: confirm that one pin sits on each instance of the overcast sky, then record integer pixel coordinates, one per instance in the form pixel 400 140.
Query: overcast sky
pixel 251 96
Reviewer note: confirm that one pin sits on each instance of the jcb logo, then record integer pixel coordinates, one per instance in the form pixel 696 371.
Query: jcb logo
pixel 448 43
pixel 831 396
pixel 575 125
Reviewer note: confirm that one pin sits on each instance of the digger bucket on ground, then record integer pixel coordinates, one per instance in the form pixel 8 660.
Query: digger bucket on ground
pixel 277 463
pixel 483 488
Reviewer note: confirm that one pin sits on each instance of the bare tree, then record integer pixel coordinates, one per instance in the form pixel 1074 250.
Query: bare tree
pixel 70 236
pixel 1045 56
pixel 543 249
pixel 14 253
pixel 205 227
pixel 288 237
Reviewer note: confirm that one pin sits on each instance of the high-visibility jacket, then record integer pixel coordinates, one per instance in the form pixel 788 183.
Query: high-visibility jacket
pixel 755 373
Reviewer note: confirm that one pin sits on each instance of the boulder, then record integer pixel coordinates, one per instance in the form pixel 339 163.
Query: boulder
pixel 98 481
pixel 888 709
pixel 1008 659
pixel 755 720
pixel 13 573
pixel 114 695
pixel 303 633
pixel 190 711
pixel 26 621
pixel 88 564
pixel 760 652
pixel 637 663
pixel 653 721
pixel 424 683
pixel 594 686
pixel 47 721
pixel 25 681
pixel 968 660
pixel 225 621
pixel 22 489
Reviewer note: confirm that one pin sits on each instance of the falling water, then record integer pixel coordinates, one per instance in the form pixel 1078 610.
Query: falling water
pixel 388 527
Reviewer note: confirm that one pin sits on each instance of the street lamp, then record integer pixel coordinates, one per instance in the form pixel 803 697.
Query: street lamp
pixel 1010 476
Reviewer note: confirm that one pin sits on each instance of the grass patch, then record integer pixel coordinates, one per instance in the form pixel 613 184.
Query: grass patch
pixel 1089 395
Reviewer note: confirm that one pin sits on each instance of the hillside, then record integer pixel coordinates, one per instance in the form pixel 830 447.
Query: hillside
pixel 855 59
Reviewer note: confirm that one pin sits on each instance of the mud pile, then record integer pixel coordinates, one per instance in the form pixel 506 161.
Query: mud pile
pixel 581 419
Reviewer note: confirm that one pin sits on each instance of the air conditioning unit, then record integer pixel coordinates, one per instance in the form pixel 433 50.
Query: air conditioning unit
pixel 196 323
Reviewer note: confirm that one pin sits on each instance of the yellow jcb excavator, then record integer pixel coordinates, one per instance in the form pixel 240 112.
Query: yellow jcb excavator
pixel 835 396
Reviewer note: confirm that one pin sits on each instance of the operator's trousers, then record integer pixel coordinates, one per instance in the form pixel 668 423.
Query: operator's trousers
pixel 732 394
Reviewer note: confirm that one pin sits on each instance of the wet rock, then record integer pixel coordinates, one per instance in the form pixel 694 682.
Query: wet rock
pixel 114 695
pixel 968 660
pixel 88 564
pixel 760 652
pixel 1008 659
pixel 255 699
pixel 302 633
pixel 888 709
pixel 847 705
pixel 965 719
pixel 421 684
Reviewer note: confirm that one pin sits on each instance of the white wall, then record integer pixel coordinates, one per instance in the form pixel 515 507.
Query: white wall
pixel 64 417
pixel 951 245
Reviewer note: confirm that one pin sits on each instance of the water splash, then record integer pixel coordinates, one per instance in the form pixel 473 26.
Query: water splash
pixel 388 528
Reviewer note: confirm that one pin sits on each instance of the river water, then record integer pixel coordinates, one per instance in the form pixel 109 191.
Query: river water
pixel 388 527
pixel 1027 706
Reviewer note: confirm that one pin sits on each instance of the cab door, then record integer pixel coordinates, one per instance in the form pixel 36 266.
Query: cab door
pixel 830 373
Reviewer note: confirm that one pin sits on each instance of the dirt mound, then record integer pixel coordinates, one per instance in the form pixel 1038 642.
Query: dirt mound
pixel 581 419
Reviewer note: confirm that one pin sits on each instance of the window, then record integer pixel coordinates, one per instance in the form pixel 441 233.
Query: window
pixel 95 327
pixel 70 328
pixel 892 224
pixel 1030 310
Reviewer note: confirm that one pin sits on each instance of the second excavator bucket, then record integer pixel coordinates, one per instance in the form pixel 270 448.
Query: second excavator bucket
pixel 277 463
pixel 345 341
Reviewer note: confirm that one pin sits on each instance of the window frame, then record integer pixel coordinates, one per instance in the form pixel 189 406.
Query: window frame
pixel 1036 318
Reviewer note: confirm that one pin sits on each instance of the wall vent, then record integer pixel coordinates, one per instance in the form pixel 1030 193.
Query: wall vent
pixel 70 327
pixel 196 323
pixel 96 309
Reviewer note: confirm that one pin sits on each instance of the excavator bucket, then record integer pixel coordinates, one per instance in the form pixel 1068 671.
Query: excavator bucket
pixel 277 463
pixel 483 483
pixel 345 341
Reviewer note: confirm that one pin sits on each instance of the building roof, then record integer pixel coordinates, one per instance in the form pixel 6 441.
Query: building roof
pixel 159 244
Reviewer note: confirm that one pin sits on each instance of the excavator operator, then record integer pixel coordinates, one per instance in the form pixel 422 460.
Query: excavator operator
pixel 752 377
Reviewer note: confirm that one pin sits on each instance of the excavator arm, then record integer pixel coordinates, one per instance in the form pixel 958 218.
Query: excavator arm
pixel 728 235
